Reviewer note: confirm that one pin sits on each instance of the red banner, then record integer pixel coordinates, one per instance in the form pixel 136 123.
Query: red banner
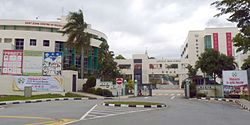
pixel 12 62
pixel 229 44
pixel 216 42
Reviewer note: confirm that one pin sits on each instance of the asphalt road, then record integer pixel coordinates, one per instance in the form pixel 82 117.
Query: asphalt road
pixel 179 111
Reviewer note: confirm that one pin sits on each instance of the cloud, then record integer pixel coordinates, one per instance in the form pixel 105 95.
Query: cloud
pixel 132 26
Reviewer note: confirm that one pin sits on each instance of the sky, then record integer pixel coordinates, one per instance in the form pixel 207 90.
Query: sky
pixel 132 26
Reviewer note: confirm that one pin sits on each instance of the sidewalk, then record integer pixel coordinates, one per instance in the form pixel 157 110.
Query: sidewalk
pixel 244 103
pixel 89 95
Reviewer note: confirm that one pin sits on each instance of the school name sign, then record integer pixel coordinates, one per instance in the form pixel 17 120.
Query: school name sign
pixel 235 78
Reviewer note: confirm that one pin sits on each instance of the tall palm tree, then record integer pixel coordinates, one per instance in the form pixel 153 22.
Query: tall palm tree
pixel 77 38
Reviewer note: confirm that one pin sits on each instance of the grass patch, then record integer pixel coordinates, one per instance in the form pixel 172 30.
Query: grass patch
pixel 134 103
pixel 42 96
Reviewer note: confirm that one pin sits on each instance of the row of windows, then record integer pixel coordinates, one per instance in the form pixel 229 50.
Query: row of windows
pixel 28 28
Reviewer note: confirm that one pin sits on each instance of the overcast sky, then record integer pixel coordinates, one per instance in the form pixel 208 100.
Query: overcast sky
pixel 132 26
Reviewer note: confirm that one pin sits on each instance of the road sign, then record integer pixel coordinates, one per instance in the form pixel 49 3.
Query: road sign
pixel 119 81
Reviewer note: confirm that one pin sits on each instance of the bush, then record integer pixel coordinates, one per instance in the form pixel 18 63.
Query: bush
pixel 98 91
pixel 90 83
pixel 91 90
pixel 201 95
pixel 107 93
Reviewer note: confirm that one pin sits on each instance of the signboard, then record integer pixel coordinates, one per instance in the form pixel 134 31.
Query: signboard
pixel 52 64
pixel 39 83
pixel 32 63
pixel 235 82
pixel 119 81
pixel 12 62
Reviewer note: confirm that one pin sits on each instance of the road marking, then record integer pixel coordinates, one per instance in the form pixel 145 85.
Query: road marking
pixel 25 117
pixel 172 97
pixel 88 112
pixel 54 122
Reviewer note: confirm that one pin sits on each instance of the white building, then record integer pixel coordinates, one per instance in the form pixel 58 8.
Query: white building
pixel 35 35
pixel 147 70
pixel 44 36
pixel 197 41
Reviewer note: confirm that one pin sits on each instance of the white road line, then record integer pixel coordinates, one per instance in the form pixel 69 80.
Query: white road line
pixel 100 113
pixel 172 97
pixel 88 112
pixel 118 114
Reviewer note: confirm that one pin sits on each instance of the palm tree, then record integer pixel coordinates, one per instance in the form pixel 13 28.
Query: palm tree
pixel 77 38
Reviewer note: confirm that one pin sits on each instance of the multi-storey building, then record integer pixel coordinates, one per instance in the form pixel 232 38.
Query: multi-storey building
pixel 44 36
pixel 149 70
pixel 219 39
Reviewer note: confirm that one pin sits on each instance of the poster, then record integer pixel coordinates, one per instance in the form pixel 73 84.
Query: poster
pixel 235 82
pixel 39 83
pixel 12 62
pixel 32 63
pixel 52 63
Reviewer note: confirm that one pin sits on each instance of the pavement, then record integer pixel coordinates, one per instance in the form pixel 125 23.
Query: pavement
pixel 91 112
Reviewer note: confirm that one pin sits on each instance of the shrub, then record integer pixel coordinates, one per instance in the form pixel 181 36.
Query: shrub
pixel 98 91
pixel 90 83
pixel 192 87
pixel 201 95
pixel 107 93
pixel 91 90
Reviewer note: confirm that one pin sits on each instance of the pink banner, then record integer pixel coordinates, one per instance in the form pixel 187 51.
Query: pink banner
pixel 216 43
pixel 229 44
pixel 12 62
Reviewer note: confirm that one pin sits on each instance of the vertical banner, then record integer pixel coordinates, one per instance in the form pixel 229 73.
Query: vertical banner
pixel 216 42
pixel 52 63
pixel 235 82
pixel 229 44
pixel 12 62
pixel 32 63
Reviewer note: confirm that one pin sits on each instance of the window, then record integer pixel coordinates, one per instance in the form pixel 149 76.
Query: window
pixel 45 42
pixel 19 44
pixel 0 40
pixel 196 47
pixel 32 42
pixel 7 40
pixel 58 46
pixel 166 71
pixel 196 40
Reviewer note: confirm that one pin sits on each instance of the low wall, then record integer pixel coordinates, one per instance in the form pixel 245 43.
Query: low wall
pixel 210 90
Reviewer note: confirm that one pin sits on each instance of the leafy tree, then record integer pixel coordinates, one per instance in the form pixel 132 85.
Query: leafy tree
pixel 107 66
pixel 212 63
pixel 246 64
pixel 120 57
pixel 77 38
pixel 240 14
pixel 191 71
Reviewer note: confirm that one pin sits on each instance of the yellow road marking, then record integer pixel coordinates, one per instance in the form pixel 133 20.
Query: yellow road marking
pixel 55 122
pixel 50 121
pixel 25 117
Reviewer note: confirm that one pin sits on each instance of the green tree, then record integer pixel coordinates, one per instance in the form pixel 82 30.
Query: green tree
pixel 246 64
pixel 107 66
pixel 191 71
pixel 212 63
pixel 120 57
pixel 77 38
pixel 239 11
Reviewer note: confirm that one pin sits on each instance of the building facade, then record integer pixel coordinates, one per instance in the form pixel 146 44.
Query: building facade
pixel 219 39
pixel 147 70
pixel 34 35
